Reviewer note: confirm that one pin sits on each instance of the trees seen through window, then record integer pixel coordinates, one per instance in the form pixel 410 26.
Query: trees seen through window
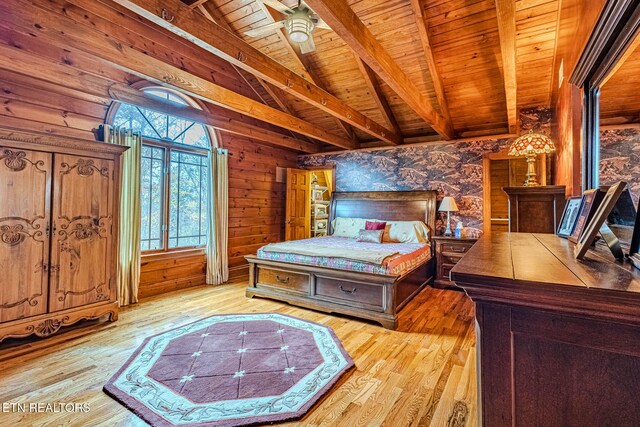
pixel 174 175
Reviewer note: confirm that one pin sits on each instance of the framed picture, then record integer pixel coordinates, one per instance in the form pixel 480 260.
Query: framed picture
pixel 569 216
pixel 599 217
pixel 624 212
pixel 317 194
pixel 590 201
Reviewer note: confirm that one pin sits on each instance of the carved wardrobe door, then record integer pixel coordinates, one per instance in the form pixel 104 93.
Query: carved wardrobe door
pixel 82 240
pixel 25 183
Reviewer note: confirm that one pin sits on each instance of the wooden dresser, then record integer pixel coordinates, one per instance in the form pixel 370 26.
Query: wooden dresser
pixel 449 251
pixel 535 209
pixel 58 232
pixel 558 339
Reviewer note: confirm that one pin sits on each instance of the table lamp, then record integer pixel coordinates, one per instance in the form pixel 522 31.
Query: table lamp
pixel 448 205
pixel 530 145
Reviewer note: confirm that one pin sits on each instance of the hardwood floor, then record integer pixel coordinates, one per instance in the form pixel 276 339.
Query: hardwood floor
pixel 422 374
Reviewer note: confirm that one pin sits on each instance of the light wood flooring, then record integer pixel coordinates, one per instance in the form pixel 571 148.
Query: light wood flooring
pixel 423 374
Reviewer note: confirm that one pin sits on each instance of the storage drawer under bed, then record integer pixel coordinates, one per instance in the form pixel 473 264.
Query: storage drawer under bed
pixel 355 294
pixel 284 280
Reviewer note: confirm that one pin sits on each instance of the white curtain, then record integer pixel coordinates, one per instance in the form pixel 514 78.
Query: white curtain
pixel 217 235
pixel 129 233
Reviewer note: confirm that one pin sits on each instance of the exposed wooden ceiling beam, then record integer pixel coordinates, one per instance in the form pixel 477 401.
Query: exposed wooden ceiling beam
pixel 343 20
pixel 132 96
pixel 630 50
pixel 376 93
pixel 215 39
pixel 64 32
pixel 303 63
pixel 212 13
pixel 67 77
pixel 506 11
pixel 422 22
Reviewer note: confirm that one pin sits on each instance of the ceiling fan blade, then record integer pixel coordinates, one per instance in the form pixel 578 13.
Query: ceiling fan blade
pixel 321 24
pixel 256 32
pixel 308 46
pixel 275 4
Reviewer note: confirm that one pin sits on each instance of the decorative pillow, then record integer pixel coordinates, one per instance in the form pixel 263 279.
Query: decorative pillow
pixel 370 236
pixel 406 232
pixel 374 225
pixel 348 227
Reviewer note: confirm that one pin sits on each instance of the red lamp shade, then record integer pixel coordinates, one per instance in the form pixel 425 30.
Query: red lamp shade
pixel 531 143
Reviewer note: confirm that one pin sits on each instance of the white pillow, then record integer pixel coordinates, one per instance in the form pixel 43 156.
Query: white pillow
pixel 406 232
pixel 348 227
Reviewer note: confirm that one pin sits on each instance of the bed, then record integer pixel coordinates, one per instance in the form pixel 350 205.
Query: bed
pixel 335 284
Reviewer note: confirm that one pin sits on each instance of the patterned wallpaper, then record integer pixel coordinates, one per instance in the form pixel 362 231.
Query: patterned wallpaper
pixel 620 158
pixel 453 169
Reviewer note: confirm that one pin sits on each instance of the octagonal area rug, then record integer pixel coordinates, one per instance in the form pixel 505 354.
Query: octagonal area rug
pixel 231 370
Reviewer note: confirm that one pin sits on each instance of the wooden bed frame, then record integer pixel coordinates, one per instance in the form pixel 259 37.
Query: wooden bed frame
pixel 375 297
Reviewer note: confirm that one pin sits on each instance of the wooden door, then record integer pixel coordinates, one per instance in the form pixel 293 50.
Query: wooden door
pixel 298 217
pixel 83 237
pixel 25 188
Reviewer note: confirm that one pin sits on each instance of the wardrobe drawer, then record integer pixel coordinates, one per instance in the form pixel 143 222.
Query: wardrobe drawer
pixel 286 280
pixel 351 293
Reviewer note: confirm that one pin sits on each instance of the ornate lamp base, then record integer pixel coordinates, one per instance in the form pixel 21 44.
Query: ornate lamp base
pixel 531 171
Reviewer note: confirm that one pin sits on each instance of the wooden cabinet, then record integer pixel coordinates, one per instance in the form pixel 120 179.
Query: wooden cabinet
pixel 82 236
pixel 25 194
pixel 558 339
pixel 449 251
pixel 58 232
pixel 535 209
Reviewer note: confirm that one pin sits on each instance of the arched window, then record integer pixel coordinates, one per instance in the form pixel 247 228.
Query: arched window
pixel 174 174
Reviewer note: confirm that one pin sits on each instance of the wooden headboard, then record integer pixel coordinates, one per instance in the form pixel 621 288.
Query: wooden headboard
pixel 385 205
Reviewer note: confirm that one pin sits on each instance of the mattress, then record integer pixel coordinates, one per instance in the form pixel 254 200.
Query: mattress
pixel 406 256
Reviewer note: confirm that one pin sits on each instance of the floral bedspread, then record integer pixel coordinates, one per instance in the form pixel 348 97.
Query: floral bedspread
pixel 408 255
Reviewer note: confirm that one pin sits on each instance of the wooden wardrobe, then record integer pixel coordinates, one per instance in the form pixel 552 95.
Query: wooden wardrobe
pixel 59 202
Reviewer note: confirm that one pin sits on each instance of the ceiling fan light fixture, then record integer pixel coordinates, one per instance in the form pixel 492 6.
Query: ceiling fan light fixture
pixel 299 26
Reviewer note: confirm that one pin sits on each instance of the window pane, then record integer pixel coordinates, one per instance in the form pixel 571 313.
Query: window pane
pixel 151 195
pixel 197 136
pixel 188 199
pixel 177 128
pixel 155 125
pixel 129 117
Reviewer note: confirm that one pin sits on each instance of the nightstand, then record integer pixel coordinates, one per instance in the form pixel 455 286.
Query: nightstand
pixel 449 251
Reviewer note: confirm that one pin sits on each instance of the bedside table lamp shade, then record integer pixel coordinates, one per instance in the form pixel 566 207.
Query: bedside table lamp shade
pixel 530 145
pixel 448 205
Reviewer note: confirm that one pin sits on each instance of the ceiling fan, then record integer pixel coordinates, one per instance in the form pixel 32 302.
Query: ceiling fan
pixel 299 23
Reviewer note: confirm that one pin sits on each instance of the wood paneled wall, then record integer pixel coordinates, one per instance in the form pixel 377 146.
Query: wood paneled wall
pixel 256 199
pixel 35 105
pixel 577 20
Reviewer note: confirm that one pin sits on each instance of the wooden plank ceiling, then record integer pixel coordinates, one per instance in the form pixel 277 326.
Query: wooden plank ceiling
pixel 465 52
pixel 435 70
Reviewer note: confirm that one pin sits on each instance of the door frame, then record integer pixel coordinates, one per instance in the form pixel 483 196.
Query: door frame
pixel 287 233
pixel 328 166
pixel 486 183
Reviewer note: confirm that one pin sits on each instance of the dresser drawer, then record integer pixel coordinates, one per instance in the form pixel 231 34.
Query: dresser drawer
pixel 445 269
pixel 350 293
pixel 457 248
pixel 282 279
pixel 451 258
